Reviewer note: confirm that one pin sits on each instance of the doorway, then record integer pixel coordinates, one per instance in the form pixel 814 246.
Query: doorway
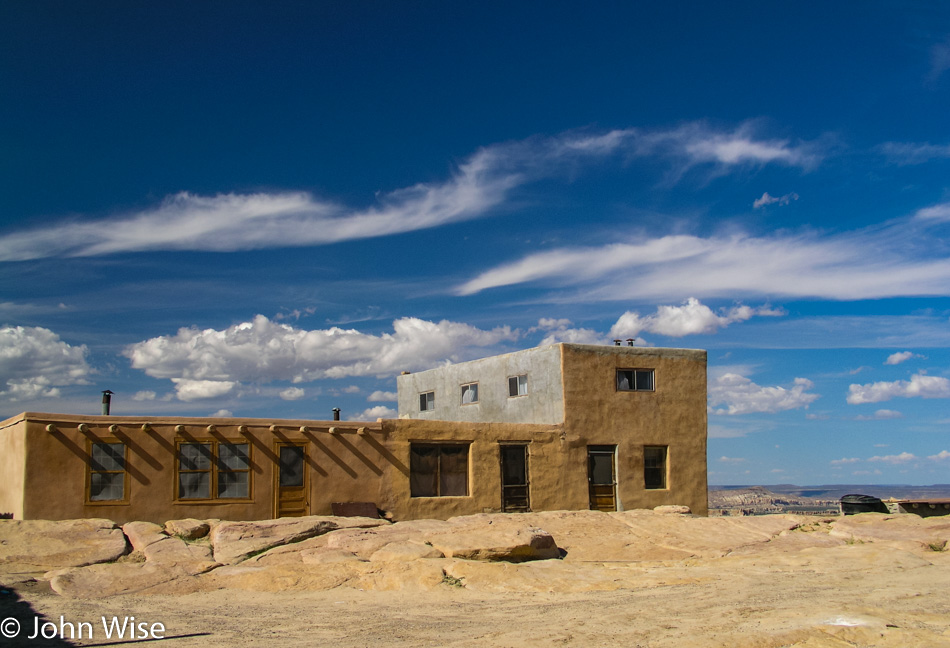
pixel 514 478
pixel 602 477
pixel 292 492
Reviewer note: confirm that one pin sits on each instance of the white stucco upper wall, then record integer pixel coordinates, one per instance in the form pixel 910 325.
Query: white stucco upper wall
pixel 544 402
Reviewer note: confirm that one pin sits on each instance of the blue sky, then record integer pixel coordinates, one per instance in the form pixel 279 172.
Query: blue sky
pixel 271 209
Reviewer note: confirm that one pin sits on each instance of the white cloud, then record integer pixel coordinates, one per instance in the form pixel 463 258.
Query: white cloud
pixel 560 330
pixel 943 455
pixel 382 397
pixel 881 415
pixel 725 459
pixel 936 213
pixel 292 393
pixel 210 362
pixel 766 199
pixel 904 153
pixel 35 363
pixel 691 318
pixel 844 461
pixel 902 458
pixel 920 385
pixel 223 413
pixel 373 413
pixel 351 389
pixel 876 262
pixel 146 395
pixel 230 222
pixel 903 356
pixel 739 395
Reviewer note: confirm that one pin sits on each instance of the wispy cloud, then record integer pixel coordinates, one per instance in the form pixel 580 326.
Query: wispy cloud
pixel 211 363
pixel 895 259
pixel 480 184
pixel 738 395
pixel 880 415
pixel 906 153
pixel 920 385
pixel 766 199
pixel 902 458
pixel 939 59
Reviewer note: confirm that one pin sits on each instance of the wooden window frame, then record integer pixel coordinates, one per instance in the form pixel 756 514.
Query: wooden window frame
pixel 89 472
pixel 214 471
pixel 438 475
pixel 665 471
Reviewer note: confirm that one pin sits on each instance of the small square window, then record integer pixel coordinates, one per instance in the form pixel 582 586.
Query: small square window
pixel 518 386
pixel 426 401
pixel 469 393
pixel 635 380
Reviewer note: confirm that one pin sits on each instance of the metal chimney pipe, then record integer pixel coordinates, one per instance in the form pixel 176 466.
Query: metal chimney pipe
pixel 336 413
pixel 106 402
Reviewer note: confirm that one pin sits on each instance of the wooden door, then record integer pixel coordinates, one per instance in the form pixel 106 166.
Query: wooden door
pixel 514 478
pixel 602 477
pixel 292 491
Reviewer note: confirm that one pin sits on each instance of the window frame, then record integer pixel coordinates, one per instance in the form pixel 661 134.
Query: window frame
pixel 664 471
pixel 470 385
pixel 429 401
pixel 633 385
pixel 467 445
pixel 90 471
pixel 518 384
pixel 214 470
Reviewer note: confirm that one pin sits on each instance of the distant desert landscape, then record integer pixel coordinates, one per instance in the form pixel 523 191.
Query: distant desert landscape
pixel 584 578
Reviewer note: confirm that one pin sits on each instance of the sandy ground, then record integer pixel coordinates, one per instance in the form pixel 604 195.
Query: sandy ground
pixel 852 595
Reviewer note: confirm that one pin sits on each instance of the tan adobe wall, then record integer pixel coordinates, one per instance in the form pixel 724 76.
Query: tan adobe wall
pixel 12 466
pixel 673 415
pixel 550 458
pixel 343 467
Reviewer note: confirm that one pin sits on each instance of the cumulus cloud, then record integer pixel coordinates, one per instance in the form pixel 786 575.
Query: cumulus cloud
pixel 223 413
pixel 482 182
pixel 561 330
pixel 920 385
pixel 691 318
pixel 209 363
pixel 902 458
pixel 943 455
pixel 373 413
pixel 35 363
pixel 881 415
pixel 903 356
pixel 766 199
pixel 738 395
pixel 876 262
pixel 292 394
pixel 382 397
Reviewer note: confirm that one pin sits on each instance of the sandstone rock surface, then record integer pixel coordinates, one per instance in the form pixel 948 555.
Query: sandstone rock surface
pixel 32 546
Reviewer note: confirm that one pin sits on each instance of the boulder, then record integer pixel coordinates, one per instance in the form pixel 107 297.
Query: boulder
pixel 900 530
pixel 494 537
pixel 236 541
pixel 103 580
pixel 672 509
pixel 36 546
pixel 187 529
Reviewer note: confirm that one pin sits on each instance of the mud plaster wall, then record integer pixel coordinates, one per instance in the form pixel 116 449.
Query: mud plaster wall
pixel 12 467
pixel 673 415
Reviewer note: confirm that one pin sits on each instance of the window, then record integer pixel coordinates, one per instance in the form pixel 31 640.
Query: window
pixel 107 473
pixel 654 467
pixel 635 380
pixel 469 393
pixel 517 386
pixel 438 470
pixel 213 470
pixel 426 401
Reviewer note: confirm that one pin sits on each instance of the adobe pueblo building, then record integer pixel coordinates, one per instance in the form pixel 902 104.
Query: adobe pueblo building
pixel 558 427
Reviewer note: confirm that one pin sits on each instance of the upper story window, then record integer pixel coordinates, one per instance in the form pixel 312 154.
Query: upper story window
pixel 469 393
pixel 107 473
pixel 426 401
pixel 518 386
pixel 635 380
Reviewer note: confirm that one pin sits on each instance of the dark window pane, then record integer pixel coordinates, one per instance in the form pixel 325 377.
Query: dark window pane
pixel 513 465
pixel 625 380
pixel 291 466
pixel 454 471
pixel 645 380
pixel 108 456
pixel 194 456
pixel 232 484
pixel 654 467
pixel 233 456
pixel 195 485
pixel 423 471
pixel 427 401
pixel 105 487
pixel 601 467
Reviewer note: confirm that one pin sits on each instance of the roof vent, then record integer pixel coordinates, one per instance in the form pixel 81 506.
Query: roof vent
pixel 617 342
